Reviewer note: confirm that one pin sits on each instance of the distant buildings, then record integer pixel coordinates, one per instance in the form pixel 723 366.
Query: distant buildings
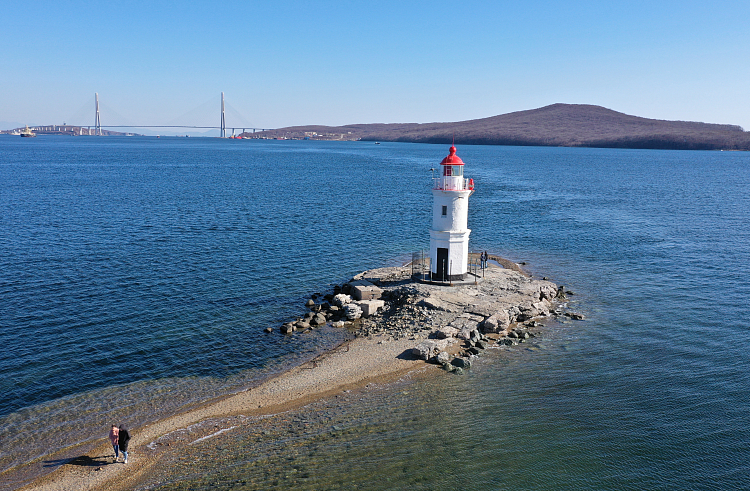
pixel 65 129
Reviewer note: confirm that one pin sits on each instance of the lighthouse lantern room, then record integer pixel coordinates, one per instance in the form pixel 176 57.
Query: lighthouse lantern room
pixel 449 235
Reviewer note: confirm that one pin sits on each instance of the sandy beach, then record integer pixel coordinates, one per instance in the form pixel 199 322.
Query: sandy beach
pixel 352 365
pixel 381 352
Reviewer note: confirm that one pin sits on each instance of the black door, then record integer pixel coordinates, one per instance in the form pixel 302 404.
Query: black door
pixel 441 272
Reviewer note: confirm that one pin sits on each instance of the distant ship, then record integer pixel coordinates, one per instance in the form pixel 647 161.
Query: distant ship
pixel 26 132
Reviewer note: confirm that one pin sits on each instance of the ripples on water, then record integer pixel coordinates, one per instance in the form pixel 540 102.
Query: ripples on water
pixel 140 269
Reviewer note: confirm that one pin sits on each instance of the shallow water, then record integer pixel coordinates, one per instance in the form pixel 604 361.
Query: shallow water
pixel 137 270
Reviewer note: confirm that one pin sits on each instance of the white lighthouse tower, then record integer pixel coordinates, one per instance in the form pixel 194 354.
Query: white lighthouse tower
pixel 449 235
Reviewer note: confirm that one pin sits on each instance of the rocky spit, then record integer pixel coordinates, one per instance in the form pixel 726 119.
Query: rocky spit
pixel 448 324
pixel 390 314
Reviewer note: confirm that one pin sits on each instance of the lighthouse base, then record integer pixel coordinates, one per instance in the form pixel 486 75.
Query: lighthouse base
pixel 449 255
pixel 439 277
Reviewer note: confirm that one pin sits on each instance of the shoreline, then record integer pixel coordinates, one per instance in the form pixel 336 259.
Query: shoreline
pixel 290 390
pixel 420 327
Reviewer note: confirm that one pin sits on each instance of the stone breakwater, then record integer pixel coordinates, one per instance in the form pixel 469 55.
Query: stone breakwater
pixel 448 324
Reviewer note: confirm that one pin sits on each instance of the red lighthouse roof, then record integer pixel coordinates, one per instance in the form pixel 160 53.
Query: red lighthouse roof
pixel 452 158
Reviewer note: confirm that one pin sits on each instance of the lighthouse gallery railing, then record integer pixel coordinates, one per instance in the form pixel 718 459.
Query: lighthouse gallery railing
pixel 450 183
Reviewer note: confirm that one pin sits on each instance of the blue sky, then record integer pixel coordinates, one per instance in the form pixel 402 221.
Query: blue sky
pixel 283 63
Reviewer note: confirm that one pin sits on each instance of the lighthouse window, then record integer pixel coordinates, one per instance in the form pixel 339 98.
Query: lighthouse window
pixel 453 170
pixel 445 211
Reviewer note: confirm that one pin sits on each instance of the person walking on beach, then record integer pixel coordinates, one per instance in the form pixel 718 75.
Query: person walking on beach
pixel 114 434
pixel 123 439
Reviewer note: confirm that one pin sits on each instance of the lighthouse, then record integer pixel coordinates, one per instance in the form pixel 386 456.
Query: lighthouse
pixel 449 235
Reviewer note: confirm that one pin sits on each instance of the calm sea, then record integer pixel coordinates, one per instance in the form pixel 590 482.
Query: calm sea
pixel 137 276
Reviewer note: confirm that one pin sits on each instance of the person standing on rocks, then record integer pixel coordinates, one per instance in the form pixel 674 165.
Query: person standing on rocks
pixel 124 438
pixel 483 259
pixel 114 433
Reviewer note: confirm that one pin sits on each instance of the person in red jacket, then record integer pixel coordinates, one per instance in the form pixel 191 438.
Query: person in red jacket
pixel 114 433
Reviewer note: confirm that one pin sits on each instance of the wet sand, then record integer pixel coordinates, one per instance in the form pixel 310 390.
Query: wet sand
pixel 352 365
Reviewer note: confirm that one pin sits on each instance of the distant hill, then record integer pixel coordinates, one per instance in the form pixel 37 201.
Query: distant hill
pixel 560 125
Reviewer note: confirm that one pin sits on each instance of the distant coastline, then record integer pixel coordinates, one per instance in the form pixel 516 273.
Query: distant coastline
pixel 557 125
pixel 66 129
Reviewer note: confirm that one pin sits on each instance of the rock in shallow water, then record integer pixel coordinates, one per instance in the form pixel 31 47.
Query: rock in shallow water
pixel 424 350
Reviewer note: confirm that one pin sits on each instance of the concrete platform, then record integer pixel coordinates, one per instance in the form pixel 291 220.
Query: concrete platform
pixel 364 290
pixel 370 307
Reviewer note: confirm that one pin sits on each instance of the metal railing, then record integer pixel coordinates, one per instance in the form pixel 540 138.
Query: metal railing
pixel 420 265
pixel 450 183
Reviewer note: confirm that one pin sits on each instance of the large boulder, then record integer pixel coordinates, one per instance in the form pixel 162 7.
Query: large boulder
pixel 352 311
pixel 466 321
pixel 547 291
pixel 461 362
pixel 443 358
pixel 341 299
pixel 560 293
pixel 474 335
pixel 318 320
pixel 468 334
pixel 541 307
pixel 425 350
pixel 497 322
pixel 446 332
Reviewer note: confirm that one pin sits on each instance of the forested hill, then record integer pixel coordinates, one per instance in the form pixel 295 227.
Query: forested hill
pixel 565 125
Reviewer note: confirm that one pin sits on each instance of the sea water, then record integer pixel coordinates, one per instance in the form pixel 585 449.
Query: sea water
pixel 137 276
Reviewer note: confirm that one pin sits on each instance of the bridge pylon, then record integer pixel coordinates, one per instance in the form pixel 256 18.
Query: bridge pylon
pixel 97 121
pixel 223 121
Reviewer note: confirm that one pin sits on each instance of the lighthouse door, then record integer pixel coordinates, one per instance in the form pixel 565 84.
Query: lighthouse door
pixel 441 272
